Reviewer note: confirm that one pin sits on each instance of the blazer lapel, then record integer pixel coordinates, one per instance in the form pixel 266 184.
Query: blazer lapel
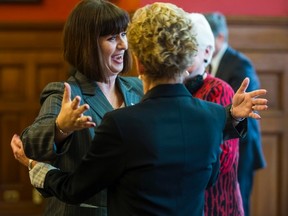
pixel 92 95
pixel 224 63
pixel 130 97
pixel 97 101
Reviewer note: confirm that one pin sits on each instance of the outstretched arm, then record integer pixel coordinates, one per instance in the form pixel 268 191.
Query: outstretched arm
pixel 70 118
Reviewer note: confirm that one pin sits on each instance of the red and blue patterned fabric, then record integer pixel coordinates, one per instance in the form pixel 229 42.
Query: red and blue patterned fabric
pixel 224 198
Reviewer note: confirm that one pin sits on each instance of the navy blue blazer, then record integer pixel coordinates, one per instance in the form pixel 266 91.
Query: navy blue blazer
pixel 233 68
pixel 156 157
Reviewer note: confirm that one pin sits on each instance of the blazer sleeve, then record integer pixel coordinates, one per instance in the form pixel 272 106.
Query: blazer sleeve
pixel 215 171
pixel 38 138
pixel 231 132
pixel 95 172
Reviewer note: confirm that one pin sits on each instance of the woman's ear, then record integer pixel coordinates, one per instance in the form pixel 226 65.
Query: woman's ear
pixel 208 51
pixel 208 55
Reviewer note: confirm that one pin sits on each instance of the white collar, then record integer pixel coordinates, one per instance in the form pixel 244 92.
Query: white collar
pixel 216 59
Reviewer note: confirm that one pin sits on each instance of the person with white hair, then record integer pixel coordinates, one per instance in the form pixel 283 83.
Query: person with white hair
pixel 231 65
pixel 224 198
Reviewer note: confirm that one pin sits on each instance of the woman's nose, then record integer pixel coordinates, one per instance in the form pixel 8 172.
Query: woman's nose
pixel 122 43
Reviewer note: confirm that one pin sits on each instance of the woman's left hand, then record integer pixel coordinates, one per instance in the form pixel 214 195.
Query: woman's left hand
pixel 18 151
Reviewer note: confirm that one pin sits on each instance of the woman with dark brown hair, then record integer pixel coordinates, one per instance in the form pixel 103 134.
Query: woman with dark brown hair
pixel 95 45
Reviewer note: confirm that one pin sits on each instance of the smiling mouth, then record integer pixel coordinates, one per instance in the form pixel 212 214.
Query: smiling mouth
pixel 118 58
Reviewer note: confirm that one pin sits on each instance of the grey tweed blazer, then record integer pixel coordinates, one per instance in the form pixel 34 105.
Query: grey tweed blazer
pixel 38 139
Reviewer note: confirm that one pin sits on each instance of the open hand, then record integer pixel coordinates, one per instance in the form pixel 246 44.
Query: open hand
pixel 246 104
pixel 71 116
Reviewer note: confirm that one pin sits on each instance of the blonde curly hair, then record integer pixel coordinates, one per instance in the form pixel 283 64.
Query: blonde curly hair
pixel 160 36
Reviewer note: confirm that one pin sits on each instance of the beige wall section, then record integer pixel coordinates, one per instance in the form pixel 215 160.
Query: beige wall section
pixel 30 57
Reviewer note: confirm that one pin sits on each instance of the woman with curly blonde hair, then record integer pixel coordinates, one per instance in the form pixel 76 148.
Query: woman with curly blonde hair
pixel 162 40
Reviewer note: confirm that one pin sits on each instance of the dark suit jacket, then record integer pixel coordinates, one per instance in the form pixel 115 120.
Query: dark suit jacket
pixel 155 158
pixel 38 139
pixel 233 68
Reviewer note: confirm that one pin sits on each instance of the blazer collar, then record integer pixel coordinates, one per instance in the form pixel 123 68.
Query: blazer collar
pixel 87 86
pixel 128 92
pixel 93 95
pixel 167 90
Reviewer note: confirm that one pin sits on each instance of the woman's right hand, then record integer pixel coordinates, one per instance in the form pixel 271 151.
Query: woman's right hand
pixel 71 116
pixel 247 104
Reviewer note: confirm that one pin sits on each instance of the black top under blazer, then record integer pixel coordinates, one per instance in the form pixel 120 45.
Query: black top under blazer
pixel 156 157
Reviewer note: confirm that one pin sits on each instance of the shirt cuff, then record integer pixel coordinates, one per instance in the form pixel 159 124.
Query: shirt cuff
pixel 38 173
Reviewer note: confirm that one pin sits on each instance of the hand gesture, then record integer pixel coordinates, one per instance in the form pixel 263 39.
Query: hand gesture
pixel 246 104
pixel 71 116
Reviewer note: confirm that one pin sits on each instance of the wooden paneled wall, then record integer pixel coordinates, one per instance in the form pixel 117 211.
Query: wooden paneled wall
pixel 265 42
pixel 30 57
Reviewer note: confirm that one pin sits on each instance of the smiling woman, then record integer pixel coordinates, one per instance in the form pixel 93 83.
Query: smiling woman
pixel 95 46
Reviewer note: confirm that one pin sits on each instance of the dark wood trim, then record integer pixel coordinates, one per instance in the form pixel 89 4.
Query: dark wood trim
pixel 252 20
pixel 31 36
pixel 30 26
pixel 20 1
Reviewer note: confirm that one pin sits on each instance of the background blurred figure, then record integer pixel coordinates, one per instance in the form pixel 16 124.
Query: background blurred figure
pixel 224 198
pixel 232 66
pixel 95 45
